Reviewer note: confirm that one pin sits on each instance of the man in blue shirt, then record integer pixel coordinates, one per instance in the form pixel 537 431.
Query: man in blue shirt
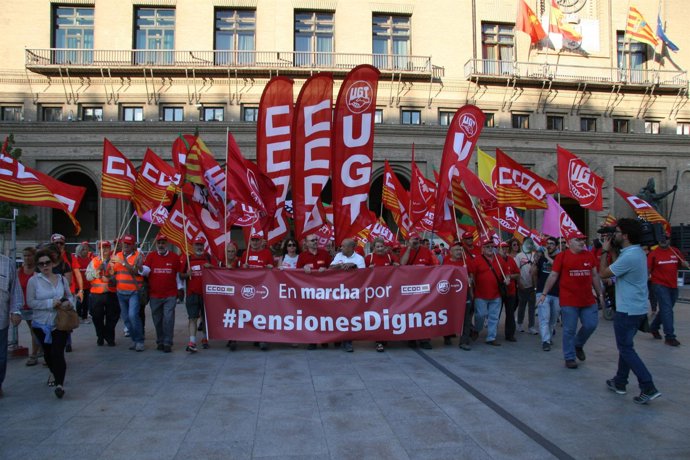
pixel 630 269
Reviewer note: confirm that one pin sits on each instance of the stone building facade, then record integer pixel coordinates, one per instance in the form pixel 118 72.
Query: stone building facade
pixel 140 72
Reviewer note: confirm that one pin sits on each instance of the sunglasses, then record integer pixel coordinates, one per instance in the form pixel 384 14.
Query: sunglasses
pixel 44 263
pixel 291 244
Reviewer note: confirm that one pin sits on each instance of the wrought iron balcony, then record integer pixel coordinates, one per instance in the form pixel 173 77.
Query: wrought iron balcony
pixel 536 73
pixel 81 62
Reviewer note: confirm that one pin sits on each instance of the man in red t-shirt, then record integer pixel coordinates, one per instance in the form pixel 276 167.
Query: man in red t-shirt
pixel 380 257
pixel 468 245
pixel 192 269
pixel 457 257
pixel 512 272
pixel 418 254
pixel 576 268
pixel 256 255
pixel 663 263
pixel 162 267
pixel 487 271
pixel 313 257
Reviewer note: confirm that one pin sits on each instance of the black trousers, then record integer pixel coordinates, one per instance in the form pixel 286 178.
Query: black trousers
pixel 105 313
pixel 509 304
pixel 83 305
pixel 54 353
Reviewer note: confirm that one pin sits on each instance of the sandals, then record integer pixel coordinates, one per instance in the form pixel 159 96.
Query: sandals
pixel 379 347
pixel 32 361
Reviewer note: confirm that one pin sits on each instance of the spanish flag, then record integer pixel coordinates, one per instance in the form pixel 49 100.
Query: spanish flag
pixel 528 23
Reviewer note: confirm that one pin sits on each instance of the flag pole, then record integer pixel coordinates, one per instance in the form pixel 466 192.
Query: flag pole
pixel 184 232
pixel 225 198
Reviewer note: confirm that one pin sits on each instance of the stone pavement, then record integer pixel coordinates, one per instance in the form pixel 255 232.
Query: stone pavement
pixel 513 401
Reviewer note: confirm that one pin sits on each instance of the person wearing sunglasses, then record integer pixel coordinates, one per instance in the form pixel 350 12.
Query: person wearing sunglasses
pixel 313 257
pixel 45 292
pixel 290 253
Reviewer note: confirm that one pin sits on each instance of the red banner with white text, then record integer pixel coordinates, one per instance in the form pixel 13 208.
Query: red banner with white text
pixel 290 306
pixel 118 174
pixel 311 153
pixel 353 150
pixel 518 186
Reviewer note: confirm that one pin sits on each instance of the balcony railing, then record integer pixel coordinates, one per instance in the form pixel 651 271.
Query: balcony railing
pixel 489 68
pixel 45 60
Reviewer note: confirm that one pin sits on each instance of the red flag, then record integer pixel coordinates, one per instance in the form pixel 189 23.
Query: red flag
pixel 156 183
pixel 273 156
pixel 528 23
pixel 21 184
pixel 181 147
pixel 396 200
pixel 518 186
pixel 118 174
pixel 311 152
pixel 461 138
pixel 577 181
pixel 178 224
pixel 247 185
pixel 473 184
pixel 353 150
pixel 644 209
pixel 423 199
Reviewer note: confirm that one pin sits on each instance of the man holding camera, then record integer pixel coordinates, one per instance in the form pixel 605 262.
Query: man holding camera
pixel 630 270
pixel 663 263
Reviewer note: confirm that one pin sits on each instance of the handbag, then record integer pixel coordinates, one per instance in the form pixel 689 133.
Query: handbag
pixel 66 318
pixel 502 288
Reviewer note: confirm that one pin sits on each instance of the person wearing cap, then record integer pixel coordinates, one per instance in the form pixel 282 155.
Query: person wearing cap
pixel 105 309
pixel 126 267
pixel 192 269
pixel 162 267
pixel 630 270
pixel 512 272
pixel 80 261
pixel 549 309
pixel 575 269
pixel 256 255
pixel 347 259
pixel 663 263
pixel 488 271
pixel 457 258
pixel 468 245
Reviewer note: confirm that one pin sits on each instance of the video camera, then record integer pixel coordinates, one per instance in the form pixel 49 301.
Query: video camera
pixel 650 235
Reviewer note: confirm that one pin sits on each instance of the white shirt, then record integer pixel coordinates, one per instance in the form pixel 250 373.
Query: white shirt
pixel 353 259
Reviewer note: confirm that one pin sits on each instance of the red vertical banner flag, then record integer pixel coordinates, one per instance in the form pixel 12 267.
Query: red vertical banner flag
pixel 577 181
pixel 273 155
pixel 353 151
pixel 155 184
pixel 178 227
pixel 396 200
pixel 422 199
pixel 463 133
pixel 181 147
pixel 118 174
pixel 644 209
pixel 518 186
pixel 312 152
pixel 528 23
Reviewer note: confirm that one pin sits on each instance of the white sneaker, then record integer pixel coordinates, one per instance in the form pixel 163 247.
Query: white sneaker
pixel 533 331
pixel 521 329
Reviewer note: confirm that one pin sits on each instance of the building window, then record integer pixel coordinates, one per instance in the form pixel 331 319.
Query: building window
pixel 651 127
pixel 378 116
pixel 554 122
pixel 631 58
pixel 73 35
pixel 133 114
pixel 235 36
pixel 213 114
pixel 173 114
pixel 250 113
pixel 445 117
pixel 92 113
pixel 489 121
pixel 155 36
pixel 621 125
pixel 52 113
pixel 391 41
pixel 520 121
pixel 588 124
pixel 683 128
pixel 497 48
pixel 12 113
pixel 314 38
pixel 411 117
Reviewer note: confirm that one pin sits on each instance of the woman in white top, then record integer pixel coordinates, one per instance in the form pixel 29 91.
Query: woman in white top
pixel 44 293
pixel 290 249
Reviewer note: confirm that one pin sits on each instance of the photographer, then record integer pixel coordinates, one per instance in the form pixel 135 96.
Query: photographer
pixel 630 269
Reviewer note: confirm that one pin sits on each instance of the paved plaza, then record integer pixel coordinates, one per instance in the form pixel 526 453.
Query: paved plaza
pixel 514 401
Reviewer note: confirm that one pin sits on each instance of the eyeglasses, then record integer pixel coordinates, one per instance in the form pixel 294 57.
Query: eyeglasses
pixel 291 244
pixel 43 263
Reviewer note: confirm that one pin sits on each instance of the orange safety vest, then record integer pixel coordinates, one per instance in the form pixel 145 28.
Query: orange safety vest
pixel 123 278
pixel 100 285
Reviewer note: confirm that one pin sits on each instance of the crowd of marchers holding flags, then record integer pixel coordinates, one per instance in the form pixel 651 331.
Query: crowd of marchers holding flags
pixel 301 147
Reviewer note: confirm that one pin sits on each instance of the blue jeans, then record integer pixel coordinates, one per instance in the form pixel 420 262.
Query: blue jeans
pixel 666 297
pixel 548 314
pixel 588 316
pixel 129 310
pixel 484 308
pixel 3 354
pixel 163 315
pixel 625 327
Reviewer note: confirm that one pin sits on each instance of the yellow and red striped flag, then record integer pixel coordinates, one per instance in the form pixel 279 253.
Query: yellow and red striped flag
pixel 638 28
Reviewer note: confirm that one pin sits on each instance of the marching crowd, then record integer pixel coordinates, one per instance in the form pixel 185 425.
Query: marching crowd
pixel 563 281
